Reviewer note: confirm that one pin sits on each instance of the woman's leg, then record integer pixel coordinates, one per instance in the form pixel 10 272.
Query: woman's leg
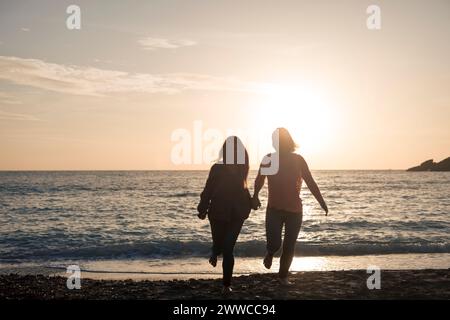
pixel 218 229
pixel 234 228
pixel 274 226
pixel 292 228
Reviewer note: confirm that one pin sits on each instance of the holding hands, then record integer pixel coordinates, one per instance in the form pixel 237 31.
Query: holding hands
pixel 255 203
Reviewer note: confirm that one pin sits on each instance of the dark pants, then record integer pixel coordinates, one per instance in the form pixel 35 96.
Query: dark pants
pixel 225 234
pixel 275 219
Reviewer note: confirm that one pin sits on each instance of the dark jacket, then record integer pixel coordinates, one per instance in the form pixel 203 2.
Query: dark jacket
pixel 225 196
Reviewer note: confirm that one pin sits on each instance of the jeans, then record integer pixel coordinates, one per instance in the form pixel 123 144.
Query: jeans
pixel 225 234
pixel 275 219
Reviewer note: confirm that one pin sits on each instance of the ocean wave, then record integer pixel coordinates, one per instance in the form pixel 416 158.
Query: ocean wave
pixel 181 195
pixel 176 249
pixel 27 190
pixel 425 225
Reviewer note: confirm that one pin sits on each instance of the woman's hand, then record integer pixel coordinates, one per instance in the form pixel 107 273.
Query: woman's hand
pixel 202 216
pixel 325 208
pixel 202 210
pixel 256 204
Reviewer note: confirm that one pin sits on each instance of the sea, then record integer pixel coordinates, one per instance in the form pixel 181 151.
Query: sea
pixel 143 224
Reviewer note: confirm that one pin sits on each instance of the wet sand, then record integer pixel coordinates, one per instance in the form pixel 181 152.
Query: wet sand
pixel 395 284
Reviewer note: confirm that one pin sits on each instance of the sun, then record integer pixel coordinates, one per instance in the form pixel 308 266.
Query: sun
pixel 303 110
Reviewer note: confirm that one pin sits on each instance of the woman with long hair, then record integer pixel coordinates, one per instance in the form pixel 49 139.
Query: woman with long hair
pixel 284 207
pixel 226 201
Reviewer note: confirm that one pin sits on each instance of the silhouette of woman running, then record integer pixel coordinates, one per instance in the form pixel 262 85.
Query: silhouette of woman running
pixel 284 206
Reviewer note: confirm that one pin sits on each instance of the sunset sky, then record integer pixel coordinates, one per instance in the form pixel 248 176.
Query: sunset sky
pixel 113 94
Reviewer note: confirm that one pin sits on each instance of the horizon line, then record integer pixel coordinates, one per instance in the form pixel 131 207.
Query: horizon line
pixel 207 169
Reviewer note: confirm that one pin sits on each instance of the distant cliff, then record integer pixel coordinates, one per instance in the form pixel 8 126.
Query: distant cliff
pixel 430 165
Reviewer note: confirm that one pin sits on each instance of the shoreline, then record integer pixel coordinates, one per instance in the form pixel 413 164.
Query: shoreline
pixel 395 284
pixel 198 267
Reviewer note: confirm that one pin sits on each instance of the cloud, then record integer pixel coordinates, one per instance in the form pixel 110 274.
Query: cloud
pixel 81 80
pixel 25 29
pixel 161 43
pixel 6 98
pixel 17 116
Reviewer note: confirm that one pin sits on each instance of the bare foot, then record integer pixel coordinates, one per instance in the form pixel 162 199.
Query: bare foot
pixel 213 261
pixel 226 290
pixel 268 260
pixel 284 281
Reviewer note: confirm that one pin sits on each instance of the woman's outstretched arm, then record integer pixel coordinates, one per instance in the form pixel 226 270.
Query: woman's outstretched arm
pixel 312 185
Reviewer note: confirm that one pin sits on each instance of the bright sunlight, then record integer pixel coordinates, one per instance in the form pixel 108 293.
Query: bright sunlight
pixel 304 111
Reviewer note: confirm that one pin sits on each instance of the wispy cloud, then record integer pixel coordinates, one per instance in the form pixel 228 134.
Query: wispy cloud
pixel 150 43
pixel 17 116
pixel 80 80
pixel 25 29
pixel 6 98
